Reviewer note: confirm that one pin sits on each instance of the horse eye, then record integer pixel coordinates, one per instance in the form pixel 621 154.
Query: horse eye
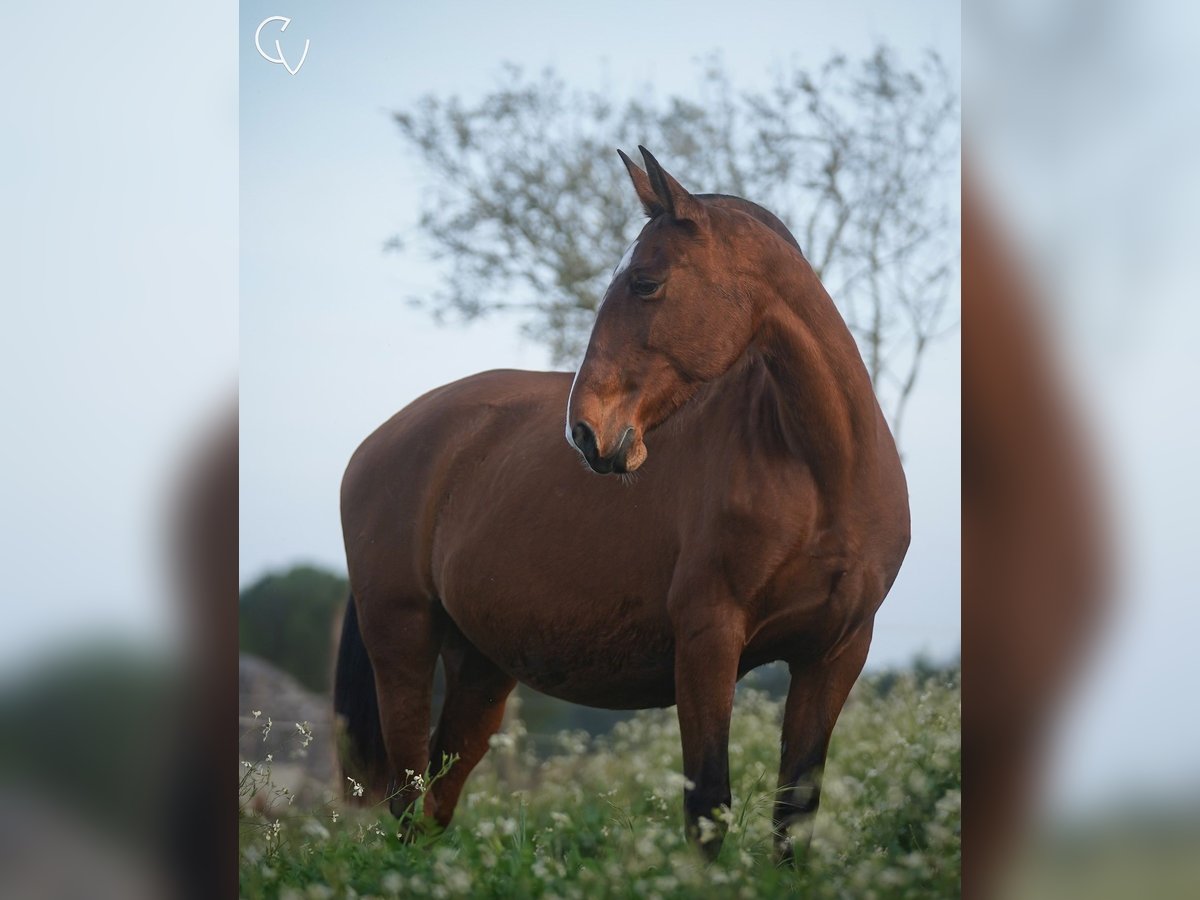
pixel 643 287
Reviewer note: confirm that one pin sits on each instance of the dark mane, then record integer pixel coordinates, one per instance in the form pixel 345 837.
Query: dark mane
pixel 768 218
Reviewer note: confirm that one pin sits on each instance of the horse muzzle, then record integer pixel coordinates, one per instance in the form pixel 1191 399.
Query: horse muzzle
pixel 628 453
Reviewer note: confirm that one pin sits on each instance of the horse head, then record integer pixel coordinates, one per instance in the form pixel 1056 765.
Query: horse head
pixel 679 312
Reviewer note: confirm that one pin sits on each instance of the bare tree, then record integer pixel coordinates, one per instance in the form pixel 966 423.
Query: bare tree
pixel 530 209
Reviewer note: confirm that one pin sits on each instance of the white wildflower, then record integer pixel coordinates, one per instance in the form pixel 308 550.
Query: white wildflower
pixel 392 882
pixel 458 881
pixel 315 829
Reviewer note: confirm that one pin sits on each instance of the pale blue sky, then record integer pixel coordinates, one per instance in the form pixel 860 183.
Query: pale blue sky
pixel 328 347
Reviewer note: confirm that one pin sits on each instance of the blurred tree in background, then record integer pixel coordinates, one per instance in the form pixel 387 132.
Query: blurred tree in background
pixel 291 620
pixel 530 207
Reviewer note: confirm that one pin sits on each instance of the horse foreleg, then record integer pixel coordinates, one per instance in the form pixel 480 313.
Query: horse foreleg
pixel 403 638
pixel 707 650
pixel 476 691
pixel 815 699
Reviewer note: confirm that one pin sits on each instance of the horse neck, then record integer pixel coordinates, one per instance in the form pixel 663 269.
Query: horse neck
pixel 816 388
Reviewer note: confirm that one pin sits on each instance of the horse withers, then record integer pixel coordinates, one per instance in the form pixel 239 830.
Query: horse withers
pixel 759 513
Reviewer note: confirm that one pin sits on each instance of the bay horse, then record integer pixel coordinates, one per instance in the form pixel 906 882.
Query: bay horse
pixel 755 510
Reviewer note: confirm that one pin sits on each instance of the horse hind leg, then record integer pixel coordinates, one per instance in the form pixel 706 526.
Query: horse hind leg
pixel 403 638
pixel 476 692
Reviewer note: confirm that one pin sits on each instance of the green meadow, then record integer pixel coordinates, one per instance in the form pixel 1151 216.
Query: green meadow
pixel 573 815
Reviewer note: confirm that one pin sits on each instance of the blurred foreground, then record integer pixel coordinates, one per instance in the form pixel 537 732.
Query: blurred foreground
pixel 1078 380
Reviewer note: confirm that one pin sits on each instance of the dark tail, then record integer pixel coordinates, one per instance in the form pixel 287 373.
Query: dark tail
pixel 356 711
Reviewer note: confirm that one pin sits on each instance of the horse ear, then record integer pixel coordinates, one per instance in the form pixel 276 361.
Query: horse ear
pixel 641 183
pixel 672 196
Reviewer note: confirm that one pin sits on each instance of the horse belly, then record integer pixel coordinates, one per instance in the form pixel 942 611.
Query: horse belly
pixel 599 641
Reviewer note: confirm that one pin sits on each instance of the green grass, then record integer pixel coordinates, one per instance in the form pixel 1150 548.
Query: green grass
pixel 602 817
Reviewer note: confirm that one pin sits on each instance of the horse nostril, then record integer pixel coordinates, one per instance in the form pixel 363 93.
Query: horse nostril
pixel 584 438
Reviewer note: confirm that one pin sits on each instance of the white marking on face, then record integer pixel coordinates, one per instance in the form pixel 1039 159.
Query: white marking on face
pixel 570 394
pixel 625 260
pixel 621 267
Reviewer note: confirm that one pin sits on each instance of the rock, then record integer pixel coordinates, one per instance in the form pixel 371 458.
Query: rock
pixel 310 772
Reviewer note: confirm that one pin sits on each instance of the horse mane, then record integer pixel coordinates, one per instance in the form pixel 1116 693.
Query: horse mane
pixel 768 218
pixel 842 421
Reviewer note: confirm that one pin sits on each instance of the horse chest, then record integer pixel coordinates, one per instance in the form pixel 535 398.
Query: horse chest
pixel 753 520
